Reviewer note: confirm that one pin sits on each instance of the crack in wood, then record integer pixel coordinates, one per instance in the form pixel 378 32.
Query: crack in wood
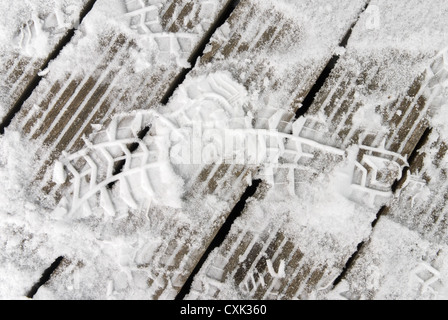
pixel 252 189
pixel 420 144
pixel 309 99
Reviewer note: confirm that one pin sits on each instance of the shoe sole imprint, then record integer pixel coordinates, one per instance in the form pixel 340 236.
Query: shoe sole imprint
pixel 170 24
pixel 92 168
pixel 374 169
pixel 21 65
pixel 418 206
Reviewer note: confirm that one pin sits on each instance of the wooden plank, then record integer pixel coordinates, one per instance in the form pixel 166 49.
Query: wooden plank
pixel 396 264
pixel 412 267
pixel 252 34
pixel 355 110
pixel 28 42
pixel 110 72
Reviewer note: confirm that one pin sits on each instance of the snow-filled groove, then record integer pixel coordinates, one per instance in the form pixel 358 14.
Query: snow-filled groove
pixel 220 236
pixel 200 48
pixel 34 83
pixel 45 277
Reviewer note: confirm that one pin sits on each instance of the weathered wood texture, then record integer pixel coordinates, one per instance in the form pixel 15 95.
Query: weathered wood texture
pixel 259 34
pixel 413 266
pixel 262 63
pixel 68 102
pixel 275 264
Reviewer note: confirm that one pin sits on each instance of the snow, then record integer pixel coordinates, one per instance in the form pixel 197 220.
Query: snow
pixel 59 175
pixel 320 214
pixel 398 264
pixel 33 27
pixel 368 119
pixel 29 32
pixel 403 26
pixel 404 256
pixel 24 255
pixel 404 40
pixel 314 18
pixel 105 252
pixel 105 21
pixel 321 217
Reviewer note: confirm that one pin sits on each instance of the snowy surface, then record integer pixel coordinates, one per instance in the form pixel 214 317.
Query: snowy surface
pixel 398 264
pixel 29 31
pixel 32 232
pixel 109 238
pixel 314 30
pixel 32 28
pixel 320 217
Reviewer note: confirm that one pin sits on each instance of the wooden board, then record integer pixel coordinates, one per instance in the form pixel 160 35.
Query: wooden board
pixel 27 50
pixel 413 265
pixel 282 262
pixel 116 62
pixel 168 264
pixel 68 102
pixel 108 120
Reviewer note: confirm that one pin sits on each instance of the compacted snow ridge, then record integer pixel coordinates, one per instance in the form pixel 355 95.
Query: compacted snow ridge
pixel 121 194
